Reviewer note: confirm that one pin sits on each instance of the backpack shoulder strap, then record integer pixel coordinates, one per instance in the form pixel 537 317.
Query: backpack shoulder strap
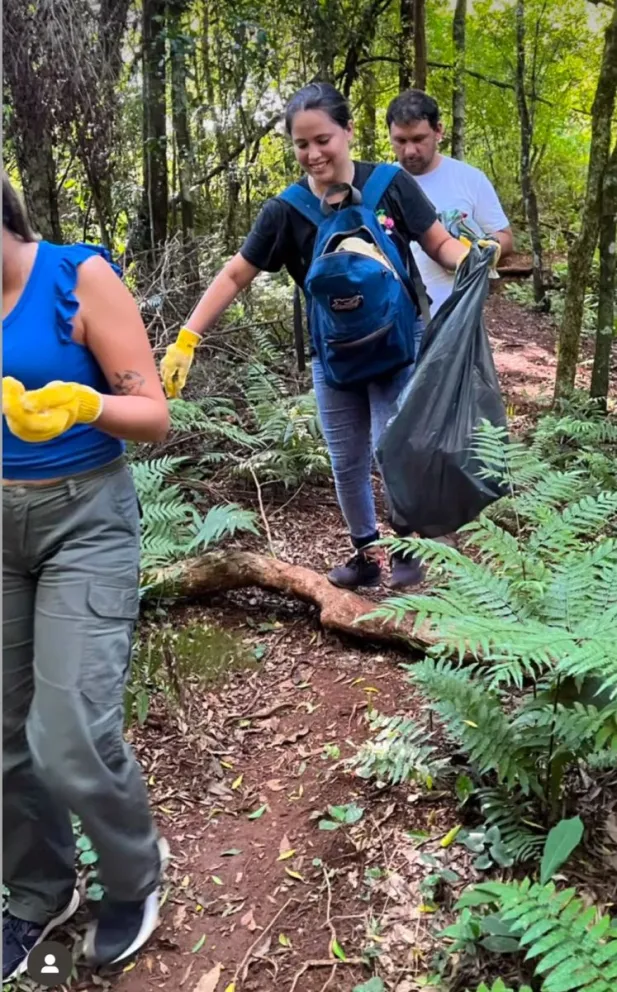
pixel 419 289
pixel 304 202
pixel 377 183
pixel 374 188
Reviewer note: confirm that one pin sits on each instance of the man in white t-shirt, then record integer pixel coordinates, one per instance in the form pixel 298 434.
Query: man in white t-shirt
pixel 416 132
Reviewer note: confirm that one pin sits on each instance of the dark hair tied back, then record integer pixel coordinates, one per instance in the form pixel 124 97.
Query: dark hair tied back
pixel 319 96
pixel 14 216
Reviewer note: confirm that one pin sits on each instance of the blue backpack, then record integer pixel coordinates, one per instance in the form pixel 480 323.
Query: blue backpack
pixel 360 306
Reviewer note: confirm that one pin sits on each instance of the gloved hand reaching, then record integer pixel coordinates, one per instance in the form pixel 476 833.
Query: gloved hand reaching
pixel 482 243
pixel 42 414
pixel 177 361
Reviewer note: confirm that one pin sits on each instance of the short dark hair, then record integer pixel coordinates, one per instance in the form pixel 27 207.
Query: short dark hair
pixel 14 216
pixel 411 106
pixel 319 96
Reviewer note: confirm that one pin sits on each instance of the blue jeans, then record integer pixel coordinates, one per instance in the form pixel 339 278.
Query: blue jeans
pixel 352 422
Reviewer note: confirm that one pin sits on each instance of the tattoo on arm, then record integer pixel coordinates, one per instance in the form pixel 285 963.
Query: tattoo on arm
pixel 127 383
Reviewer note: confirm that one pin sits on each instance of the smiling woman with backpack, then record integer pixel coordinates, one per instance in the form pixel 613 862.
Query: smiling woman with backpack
pixel 349 252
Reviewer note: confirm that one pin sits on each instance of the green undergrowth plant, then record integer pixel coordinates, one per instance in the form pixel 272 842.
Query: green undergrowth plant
pixel 569 943
pixel 522 293
pixel 171 527
pixel 499 986
pixel 572 945
pixel 290 447
pixel 272 434
pixel 523 675
pixel 580 437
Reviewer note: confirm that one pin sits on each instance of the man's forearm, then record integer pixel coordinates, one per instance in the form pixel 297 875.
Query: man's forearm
pixel 450 252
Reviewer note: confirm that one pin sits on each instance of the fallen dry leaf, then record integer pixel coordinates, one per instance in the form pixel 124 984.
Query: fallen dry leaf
pixel 280 739
pixel 275 785
pixel 208 983
pixel 248 920
pixel 284 844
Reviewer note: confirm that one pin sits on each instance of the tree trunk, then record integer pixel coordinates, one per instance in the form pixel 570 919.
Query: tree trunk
pixel 580 255
pixel 526 126
pixel 406 45
pixel 37 168
pixel 419 44
pixel 340 610
pixel 154 124
pixel 182 133
pixel 323 14
pixel 367 115
pixel 33 98
pixel 458 89
pixel 607 285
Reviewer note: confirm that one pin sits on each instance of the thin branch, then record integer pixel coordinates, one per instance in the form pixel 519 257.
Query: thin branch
pixel 319 963
pixel 259 939
pixel 329 980
pixel 500 83
pixel 263 513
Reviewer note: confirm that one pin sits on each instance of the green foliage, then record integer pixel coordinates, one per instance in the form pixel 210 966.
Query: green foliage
pixel 523 293
pixel 529 606
pixel 581 438
pixel 168 519
pixel 571 943
pixel 571 940
pixel 560 843
pixel 288 441
pixel 223 521
pixel 399 751
pixel 473 930
pixel 486 843
pixel 271 433
pixel 342 816
pixel 171 527
pixel 87 860
pixel 499 986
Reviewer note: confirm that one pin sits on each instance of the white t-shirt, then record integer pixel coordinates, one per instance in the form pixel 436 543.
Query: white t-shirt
pixel 455 185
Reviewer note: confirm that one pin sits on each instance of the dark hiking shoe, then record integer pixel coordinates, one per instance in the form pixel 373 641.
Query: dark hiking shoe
pixel 363 569
pixel 407 571
pixel 19 937
pixel 122 928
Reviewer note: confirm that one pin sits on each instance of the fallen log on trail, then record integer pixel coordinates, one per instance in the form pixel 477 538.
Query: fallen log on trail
pixel 339 609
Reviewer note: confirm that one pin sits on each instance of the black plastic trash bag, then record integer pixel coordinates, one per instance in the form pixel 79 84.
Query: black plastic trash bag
pixel 425 450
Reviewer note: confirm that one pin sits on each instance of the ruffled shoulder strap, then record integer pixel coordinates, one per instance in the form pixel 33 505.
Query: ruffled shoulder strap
pixel 67 303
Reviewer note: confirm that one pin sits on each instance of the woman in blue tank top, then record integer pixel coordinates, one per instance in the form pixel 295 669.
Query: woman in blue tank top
pixel 79 379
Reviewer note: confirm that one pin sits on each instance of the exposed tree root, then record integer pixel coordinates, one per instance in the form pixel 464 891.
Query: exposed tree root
pixel 340 610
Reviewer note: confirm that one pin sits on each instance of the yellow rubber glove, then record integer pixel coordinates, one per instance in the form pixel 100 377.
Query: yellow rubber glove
pixel 482 243
pixel 177 361
pixel 42 414
pixel 491 243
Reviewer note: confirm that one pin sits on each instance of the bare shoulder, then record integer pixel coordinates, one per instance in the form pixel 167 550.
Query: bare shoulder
pixel 96 276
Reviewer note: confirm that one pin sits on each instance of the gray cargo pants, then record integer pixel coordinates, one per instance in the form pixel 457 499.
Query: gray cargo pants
pixel 70 602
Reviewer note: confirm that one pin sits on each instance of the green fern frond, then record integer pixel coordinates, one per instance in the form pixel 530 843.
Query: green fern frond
pixel 514 816
pixel 400 751
pixel 223 521
pixel 500 986
pixel 573 945
pixel 475 719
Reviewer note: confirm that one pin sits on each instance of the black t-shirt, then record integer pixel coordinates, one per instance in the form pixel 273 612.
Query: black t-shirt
pixel 283 237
